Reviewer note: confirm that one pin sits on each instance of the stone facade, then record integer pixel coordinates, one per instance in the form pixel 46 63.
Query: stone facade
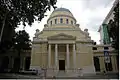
pixel 113 55
pixel 9 61
pixel 63 40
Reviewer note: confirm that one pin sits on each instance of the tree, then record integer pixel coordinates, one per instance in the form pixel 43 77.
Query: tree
pixel 7 38
pixel 12 12
pixel 24 10
pixel 21 42
pixel 113 28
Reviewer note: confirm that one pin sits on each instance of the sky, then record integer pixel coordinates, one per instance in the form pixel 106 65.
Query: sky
pixel 88 13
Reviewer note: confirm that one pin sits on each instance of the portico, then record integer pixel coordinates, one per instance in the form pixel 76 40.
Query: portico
pixel 58 55
pixel 67 43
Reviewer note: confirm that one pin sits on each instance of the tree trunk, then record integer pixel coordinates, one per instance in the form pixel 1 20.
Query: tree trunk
pixel 2 29
pixel 19 60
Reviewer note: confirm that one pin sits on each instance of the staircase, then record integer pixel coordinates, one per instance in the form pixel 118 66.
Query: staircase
pixel 61 74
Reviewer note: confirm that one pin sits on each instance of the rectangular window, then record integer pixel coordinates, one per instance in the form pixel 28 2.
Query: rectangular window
pixel 55 21
pixel 51 22
pixel 94 48
pixel 61 20
pixel 71 22
pixel 67 21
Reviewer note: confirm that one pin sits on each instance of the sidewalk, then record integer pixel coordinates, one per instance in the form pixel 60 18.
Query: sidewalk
pixel 18 76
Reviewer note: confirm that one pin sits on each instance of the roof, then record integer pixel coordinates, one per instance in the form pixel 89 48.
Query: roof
pixel 58 12
pixel 61 9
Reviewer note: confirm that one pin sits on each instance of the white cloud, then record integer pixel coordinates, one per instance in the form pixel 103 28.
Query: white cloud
pixel 88 13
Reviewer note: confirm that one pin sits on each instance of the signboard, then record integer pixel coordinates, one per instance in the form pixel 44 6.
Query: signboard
pixel 106 56
pixel 107 59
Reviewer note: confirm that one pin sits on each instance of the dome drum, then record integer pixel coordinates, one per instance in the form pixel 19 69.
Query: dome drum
pixel 61 16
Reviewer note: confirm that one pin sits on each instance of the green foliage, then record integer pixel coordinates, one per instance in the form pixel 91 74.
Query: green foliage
pixel 24 10
pixel 21 41
pixel 113 28
pixel 7 38
pixel 12 12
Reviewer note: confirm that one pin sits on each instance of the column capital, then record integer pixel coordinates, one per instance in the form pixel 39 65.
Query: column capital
pixel 56 45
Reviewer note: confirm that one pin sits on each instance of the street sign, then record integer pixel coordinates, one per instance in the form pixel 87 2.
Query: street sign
pixel 106 56
pixel 107 59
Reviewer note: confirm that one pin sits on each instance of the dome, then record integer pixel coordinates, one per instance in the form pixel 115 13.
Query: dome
pixel 61 9
pixel 61 13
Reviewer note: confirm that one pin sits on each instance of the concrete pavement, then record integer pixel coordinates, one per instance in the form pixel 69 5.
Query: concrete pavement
pixel 19 76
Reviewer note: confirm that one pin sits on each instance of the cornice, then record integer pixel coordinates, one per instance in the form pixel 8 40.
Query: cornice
pixel 84 41
pixel 61 29
pixel 102 45
pixel 102 51
pixel 101 54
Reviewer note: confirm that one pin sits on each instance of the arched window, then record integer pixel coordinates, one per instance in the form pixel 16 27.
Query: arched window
pixel 50 22
pixel 67 21
pixel 71 22
pixel 61 20
pixel 55 21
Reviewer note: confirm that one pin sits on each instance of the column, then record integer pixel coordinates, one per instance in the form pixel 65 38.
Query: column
pixel 68 64
pixel 56 56
pixel 74 57
pixel 102 64
pixel 113 63
pixel 24 62
pixel 49 56
pixel 12 62
pixel 21 62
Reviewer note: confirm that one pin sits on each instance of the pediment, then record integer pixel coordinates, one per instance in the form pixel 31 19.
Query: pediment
pixel 61 36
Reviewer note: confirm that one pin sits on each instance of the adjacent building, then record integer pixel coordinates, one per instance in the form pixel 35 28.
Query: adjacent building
pixel 103 29
pixel 104 52
pixel 9 61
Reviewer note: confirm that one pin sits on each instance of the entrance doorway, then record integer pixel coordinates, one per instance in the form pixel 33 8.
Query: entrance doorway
pixel 27 63
pixel 61 64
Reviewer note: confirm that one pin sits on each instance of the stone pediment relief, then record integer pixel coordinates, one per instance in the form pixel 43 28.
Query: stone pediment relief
pixel 62 36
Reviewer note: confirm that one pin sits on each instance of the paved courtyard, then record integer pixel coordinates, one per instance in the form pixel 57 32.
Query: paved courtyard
pixel 19 76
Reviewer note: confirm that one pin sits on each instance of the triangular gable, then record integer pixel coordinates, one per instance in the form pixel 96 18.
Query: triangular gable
pixel 61 36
